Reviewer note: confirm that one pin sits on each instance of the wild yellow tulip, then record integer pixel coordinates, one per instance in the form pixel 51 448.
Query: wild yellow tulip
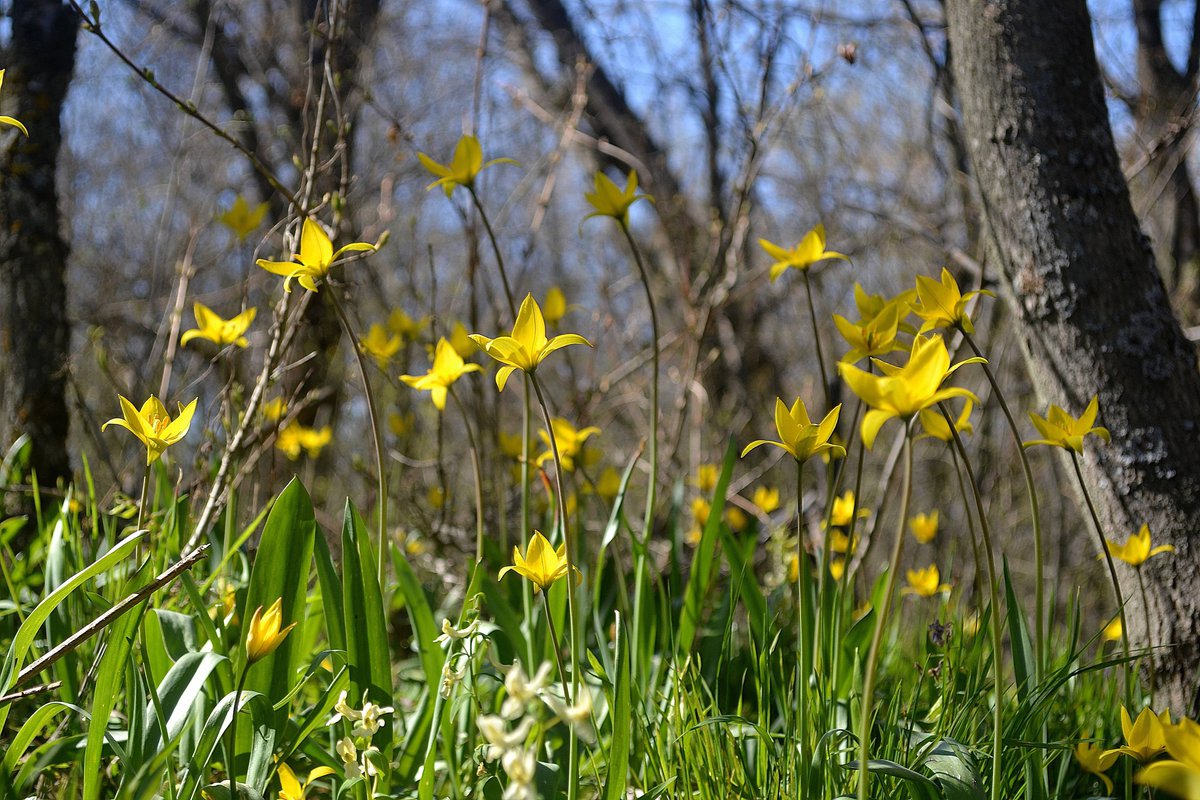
pixel 554 307
pixel 448 366
pixel 1180 775
pixel 222 332
pixel 611 201
pixel 936 427
pixel 609 483
pixel 842 511
pixel 296 437
pixel 379 345
pixel 924 527
pixel 466 163
pixel 811 250
pixel 12 121
pixel 263 634
pixel 315 258
pixel 570 442
pixel 1060 429
pixel 404 326
pixel 942 304
pixel 1095 761
pixel 901 392
pixel 1113 631
pixel 460 340
pixel 541 564
pixel 274 409
pixel 152 425
pixel 798 436
pixel 241 219
pixel 872 336
pixel 706 477
pixel 766 499
pixel 290 787
pixel 1144 736
pixel 528 346
pixel 924 582
pixel 1136 549
pixel 840 541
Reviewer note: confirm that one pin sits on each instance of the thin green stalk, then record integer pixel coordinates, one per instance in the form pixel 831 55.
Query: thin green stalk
pixel 868 694
pixel 1112 573
pixel 816 333
pixel 803 644
pixel 478 471
pixel 491 234
pixel 376 436
pixel 555 645
pixel 997 630
pixel 1039 579
pixel 237 694
pixel 142 500
pixel 962 489
pixel 1149 636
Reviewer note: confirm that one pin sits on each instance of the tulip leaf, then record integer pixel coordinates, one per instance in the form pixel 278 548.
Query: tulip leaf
pixel 704 560
pixel 619 743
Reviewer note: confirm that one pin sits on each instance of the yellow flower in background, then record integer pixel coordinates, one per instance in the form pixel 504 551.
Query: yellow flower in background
pixel 315 258
pixel 448 366
pixel 1112 631
pixel 263 634
pixel 290 787
pixel 873 336
pixel 924 582
pixel 942 305
pixel 541 564
pixel 460 340
pixel 294 438
pixel 406 327
pixel 1144 736
pixel 924 527
pixel 1180 774
pixel 1096 761
pixel 1060 429
pixel 936 427
pixel 706 477
pixel 842 511
pixel 152 425
pixel 570 442
pixel 736 518
pixel 701 508
pixel 837 568
pixel 611 201
pixel 609 483
pixel 379 345
pixel 221 332
pixel 466 163
pixel 811 250
pixel 799 437
pixel 872 305
pixel 765 498
pixel 11 121
pixel 241 219
pixel 903 391
pixel 528 346
pixel 400 424
pixel 840 541
pixel 274 409
pixel 554 307
pixel 1136 548
pixel 436 497
pixel 510 444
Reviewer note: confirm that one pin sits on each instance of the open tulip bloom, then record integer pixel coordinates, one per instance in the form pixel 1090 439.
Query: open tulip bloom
pixel 542 564
pixel 448 366
pixel 942 304
pixel 315 258
pixel 264 633
pixel 466 163
pixel 527 346
pixel 1060 429
pixel 1136 549
pixel 11 121
pixel 219 331
pixel 811 250
pixel 798 436
pixel 152 425
pixel 611 201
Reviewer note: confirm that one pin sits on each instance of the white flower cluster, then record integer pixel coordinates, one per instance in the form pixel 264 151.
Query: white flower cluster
pixel 367 722
pixel 450 675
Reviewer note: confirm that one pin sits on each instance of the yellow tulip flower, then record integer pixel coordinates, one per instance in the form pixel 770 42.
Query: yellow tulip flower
pixel 400 424
pixel 924 582
pixel 554 307
pixel 528 346
pixel 837 568
pixel 942 305
pixel 924 527
pixel 274 409
pixel 570 442
pixel 12 121
pixel 701 508
pixel 152 425
pixel 1060 429
pixel 1144 736
pixel 799 437
pixel 263 634
pixel 736 519
pixel 542 564
pixel 901 392
pixel 404 326
pixel 290 787
pixel 448 366
pixel 222 332
pixel 296 437
pixel 379 345
pixel 241 219
pixel 609 483
pixel 1095 761
pixel 315 258
pixel 706 477
pixel 843 511
pixel 840 541
pixel 936 427
pixel 766 499
pixel 811 250
pixel 1112 631
pixel 872 305
pixel 460 340
pixel 871 337
pixel 1180 775
pixel 1136 548
pixel 610 201
pixel 466 163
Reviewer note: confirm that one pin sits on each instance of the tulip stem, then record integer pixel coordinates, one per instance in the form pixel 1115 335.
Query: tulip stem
pixel 1112 573
pixel 487 226
pixel 803 644
pixel 1149 637
pixel 812 316
pixel 478 471
pixel 864 732
pixel 237 693
pixel 554 642
pixel 1039 580
pixel 142 499
pixel 652 489
pixel 994 599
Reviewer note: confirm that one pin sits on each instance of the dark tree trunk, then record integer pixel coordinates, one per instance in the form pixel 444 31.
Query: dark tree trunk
pixel 34 332
pixel 1082 279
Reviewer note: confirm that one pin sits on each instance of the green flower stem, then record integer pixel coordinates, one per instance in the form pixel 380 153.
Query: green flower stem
pixel 142 500
pixel 962 490
pixel 816 333
pixel 491 234
pixel 554 643
pixel 478 471
pixel 1039 580
pixel 868 694
pixel 803 643
pixel 237 694
pixel 373 415
pixel 994 599
pixel 1149 637
pixel 1112 573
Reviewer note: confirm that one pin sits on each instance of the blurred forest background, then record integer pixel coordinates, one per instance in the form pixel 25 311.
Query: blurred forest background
pixel 743 118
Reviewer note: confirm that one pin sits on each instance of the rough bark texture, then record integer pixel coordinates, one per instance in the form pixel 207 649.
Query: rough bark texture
pixel 34 332
pixel 1082 279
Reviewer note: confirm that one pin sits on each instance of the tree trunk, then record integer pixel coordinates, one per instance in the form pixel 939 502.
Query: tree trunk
pixel 1082 279
pixel 34 331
